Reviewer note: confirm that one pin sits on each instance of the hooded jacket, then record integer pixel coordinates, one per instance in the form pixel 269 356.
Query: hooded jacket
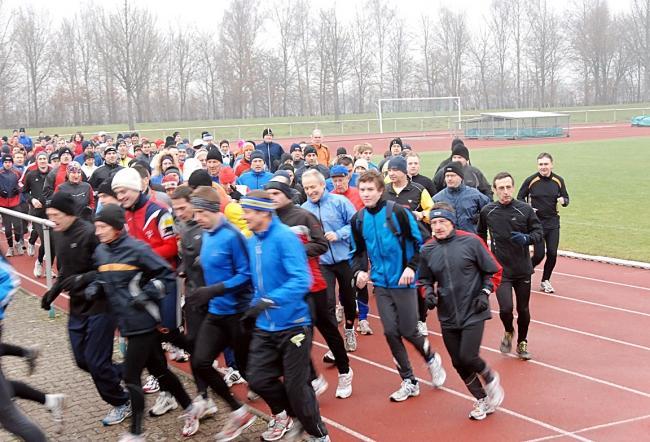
pixel 254 180
pixel 9 187
pixel 9 283
pixel 191 235
pixel 467 202
pixel 272 152
pixel 103 173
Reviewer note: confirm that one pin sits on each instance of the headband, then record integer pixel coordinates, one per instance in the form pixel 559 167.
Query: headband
pixel 442 213
pixel 204 204
pixel 259 204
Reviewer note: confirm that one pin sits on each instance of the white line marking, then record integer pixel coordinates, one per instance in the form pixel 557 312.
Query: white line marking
pixel 595 427
pixel 345 429
pixel 467 397
pixel 596 304
pixel 601 280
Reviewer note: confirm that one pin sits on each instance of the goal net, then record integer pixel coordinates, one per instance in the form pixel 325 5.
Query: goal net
pixel 419 114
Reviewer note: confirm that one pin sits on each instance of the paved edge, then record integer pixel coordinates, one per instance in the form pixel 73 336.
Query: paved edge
pixel 604 259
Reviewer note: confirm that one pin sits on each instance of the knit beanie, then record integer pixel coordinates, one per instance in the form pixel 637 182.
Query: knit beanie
pixel 460 150
pixel 7 158
pixel 227 176
pixel 266 132
pixel 105 188
pixel 310 149
pixel 198 178
pixel 396 141
pixel 454 167
pixel 65 150
pixel 63 202
pixel 257 155
pixel 341 151
pixel 113 215
pixel 361 162
pixel 170 181
pixel 398 163
pixel 280 181
pixel 214 154
pixel 128 178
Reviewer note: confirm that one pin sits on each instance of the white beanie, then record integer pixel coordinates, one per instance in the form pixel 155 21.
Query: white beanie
pixel 128 178
pixel 361 163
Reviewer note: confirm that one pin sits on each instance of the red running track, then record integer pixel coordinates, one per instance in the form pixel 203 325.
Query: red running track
pixel 587 380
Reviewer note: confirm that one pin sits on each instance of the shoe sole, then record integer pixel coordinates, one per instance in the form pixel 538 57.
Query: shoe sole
pixel 284 431
pixel 392 399
pixel 109 424
pixel 524 357
pixel 151 391
pixel 152 414
pixel 343 396
pixel 239 431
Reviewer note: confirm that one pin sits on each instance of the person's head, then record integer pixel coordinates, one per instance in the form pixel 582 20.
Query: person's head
pixel 60 143
pixel 316 137
pixel 371 187
pixel 460 153
pixel 206 207
pixel 109 223
pixel 199 177
pixel 544 164
pixel 19 158
pixel 453 174
pixel 181 203
pixel 503 185
pixel 166 161
pixel 144 171
pixel 54 159
pixel 296 152
pixel 7 162
pixel 347 162
pixel 62 211
pixel 248 150
pixel 291 172
pixel 65 155
pixel 41 161
pixel 361 166
pixel 122 148
pixel 413 163
pixel 257 161
pixel 213 162
pixel 258 210
pixel 397 172
pixel 396 146
pixel 202 156
pixel 78 137
pixel 313 182
pixel 279 189
pixel 341 151
pixel 110 155
pixel 443 220
pixel 224 146
pixel 267 135
pixel 88 147
pixel 127 185
pixel 182 153
pixel 74 172
pixel 170 182
pixel 135 138
pixel 340 178
pixel 89 160
pixel 364 150
pixel 145 147
pixel 105 193
pixel 311 157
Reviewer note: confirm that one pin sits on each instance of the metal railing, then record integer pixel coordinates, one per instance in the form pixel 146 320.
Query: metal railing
pixel 47 225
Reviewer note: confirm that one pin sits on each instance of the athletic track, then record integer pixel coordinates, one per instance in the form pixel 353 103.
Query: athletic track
pixel 588 379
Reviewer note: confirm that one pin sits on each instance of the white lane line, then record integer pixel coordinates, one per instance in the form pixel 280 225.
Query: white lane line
pixel 347 430
pixel 467 397
pixel 604 281
pixel 596 304
pixel 595 427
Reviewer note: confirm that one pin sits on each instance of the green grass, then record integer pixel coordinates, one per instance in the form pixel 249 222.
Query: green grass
pixel 607 182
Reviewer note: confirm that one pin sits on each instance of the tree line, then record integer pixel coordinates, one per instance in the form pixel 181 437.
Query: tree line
pixel 101 65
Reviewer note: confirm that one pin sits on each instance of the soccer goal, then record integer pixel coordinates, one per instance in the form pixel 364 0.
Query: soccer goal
pixel 419 114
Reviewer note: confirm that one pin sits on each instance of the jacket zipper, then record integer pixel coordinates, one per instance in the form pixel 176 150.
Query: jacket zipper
pixel 329 246
pixel 451 282
pixel 260 277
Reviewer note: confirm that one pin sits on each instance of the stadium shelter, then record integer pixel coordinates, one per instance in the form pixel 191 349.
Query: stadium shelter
pixel 515 125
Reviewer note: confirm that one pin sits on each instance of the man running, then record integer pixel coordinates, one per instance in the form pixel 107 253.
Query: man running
pixel 387 234
pixel 544 191
pixel 513 226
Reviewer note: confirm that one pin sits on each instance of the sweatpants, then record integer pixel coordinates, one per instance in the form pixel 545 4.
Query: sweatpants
pixel 341 272
pixel 552 241
pixel 323 314
pixel 12 419
pixel 144 351
pixel 521 286
pixel 216 333
pixel 463 346
pixel 278 369
pixel 91 339
pixel 13 227
pixel 398 310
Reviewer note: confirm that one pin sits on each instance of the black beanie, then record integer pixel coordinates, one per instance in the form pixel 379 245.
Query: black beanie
pixel 214 154
pixel 257 155
pixel 280 181
pixel 396 141
pixel 199 177
pixel 456 141
pixel 113 215
pixel 105 188
pixel 461 150
pixel 341 151
pixel 63 202
pixel 455 167
pixel 310 149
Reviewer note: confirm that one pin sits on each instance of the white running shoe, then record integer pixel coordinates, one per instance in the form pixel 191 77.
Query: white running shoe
pixel 130 437
pixel 38 269
pixel 495 392
pixel 406 390
pixel 55 404
pixel 277 427
pixel 339 313
pixel 481 410
pixel 151 385
pixel 19 248
pixel 192 416
pixel 31 250
pixel 319 385
pixel 344 387
pixel 329 357
pixel 10 252
pixel 208 406
pixel 164 403
pixel 438 373
pixel 547 287
pixel 364 327
pixel 232 377
pixel 422 328
pixel 350 340
pixel 239 420
pixel 252 396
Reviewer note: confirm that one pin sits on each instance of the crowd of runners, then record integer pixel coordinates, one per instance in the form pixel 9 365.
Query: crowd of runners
pixel 193 250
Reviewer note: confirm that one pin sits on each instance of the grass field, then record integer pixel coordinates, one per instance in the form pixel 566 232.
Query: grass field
pixel 609 212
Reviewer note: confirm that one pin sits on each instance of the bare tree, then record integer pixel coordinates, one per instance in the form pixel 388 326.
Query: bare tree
pixel 184 67
pixel 382 16
pixel 481 51
pixel 500 28
pixel 208 74
pixel 400 61
pixel 362 62
pixel 285 19
pixel 431 67
pixel 453 39
pixel 640 22
pixel 517 17
pixel 7 71
pixel 337 53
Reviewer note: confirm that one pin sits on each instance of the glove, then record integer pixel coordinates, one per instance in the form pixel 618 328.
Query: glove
pixel 520 238
pixel 250 316
pixel 46 300
pixel 430 298
pixel 234 193
pixel 481 301
pixel 203 295
pixel 70 282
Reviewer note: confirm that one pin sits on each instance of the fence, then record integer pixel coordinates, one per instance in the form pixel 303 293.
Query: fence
pixel 299 129
pixel 47 225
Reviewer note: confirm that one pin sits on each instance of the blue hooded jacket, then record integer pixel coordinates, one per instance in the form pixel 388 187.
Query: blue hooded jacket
pixel 9 283
pixel 280 274
pixel 334 212
pixel 467 202
pixel 272 152
pixel 254 180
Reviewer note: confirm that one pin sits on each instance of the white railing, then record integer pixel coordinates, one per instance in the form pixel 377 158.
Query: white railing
pixel 47 225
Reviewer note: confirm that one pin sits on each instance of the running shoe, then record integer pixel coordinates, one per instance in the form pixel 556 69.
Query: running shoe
pixel 325 438
pixel 130 437
pixel 192 417
pixel 547 287
pixel 239 420
pixel 339 313
pixel 344 387
pixel 151 385
pixel 350 340
pixel 19 248
pixel 164 403
pixel 117 414
pixel 522 351
pixel 30 249
pixel 296 432
pixel 55 404
pixel 181 355
pixel 252 396
pixel 31 357
pixel 364 327
pixel 495 391
pixel 481 409
pixel 208 405
pixel 329 357
pixel 319 385
pixel 232 377
pixel 406 390
pixel 506 343
pixel 438 373
pixel 38 269
pixel 422 328
pixel 277 427
pixel 10 252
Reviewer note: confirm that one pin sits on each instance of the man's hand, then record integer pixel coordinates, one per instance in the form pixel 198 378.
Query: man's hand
pixel 46 301
pixel 139 302
pixel 520 238
pixel 36 203
pixel 203 295
pixel 481 301
pixel 362 279
pixel 431 300
pixel 408 275
pixel 331 236
pixel 560 200
pixel 250 316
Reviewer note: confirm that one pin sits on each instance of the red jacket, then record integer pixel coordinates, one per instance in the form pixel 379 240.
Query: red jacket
pixel 353 195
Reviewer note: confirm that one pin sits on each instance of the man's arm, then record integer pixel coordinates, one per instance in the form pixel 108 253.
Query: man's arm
pixel 482 226
pixel 535 230
pixel 359 260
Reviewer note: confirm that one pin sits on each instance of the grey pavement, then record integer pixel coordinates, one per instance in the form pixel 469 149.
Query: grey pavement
pixel 27 325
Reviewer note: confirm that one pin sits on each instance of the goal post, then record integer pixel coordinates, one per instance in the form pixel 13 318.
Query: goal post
pixel 409 111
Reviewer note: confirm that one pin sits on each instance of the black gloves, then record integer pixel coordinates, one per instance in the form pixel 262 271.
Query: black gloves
pixel 482 301
pixel 250 316
pixel 234 193
pixel 520 238
pixel 46 300
pixel 203 295
pixel 430 297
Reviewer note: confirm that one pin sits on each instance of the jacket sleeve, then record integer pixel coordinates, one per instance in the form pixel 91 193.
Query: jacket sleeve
pixel 426 203
pixel 241 265
pixel 489 266
pixel 426 278
pixel 235 214
pixel 156 273
pixel 523 190
pixel 168 248
pixel 483 185
pixel 564 193
pixel 317 244
pixel 48 186
pixel 346 210
pixel 415 234
pixel 296 270
pixel 534 227
pixel 482 227
pixel 359 255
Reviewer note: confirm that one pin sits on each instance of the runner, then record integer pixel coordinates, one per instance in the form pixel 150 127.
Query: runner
pixel 458 273
pixel 394 259
pixel 544 191
pixel 513 226
pixel 282 336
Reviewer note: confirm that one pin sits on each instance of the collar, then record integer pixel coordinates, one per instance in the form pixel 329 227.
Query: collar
pixel 272 224
pixel 141 201
pixel 380 205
